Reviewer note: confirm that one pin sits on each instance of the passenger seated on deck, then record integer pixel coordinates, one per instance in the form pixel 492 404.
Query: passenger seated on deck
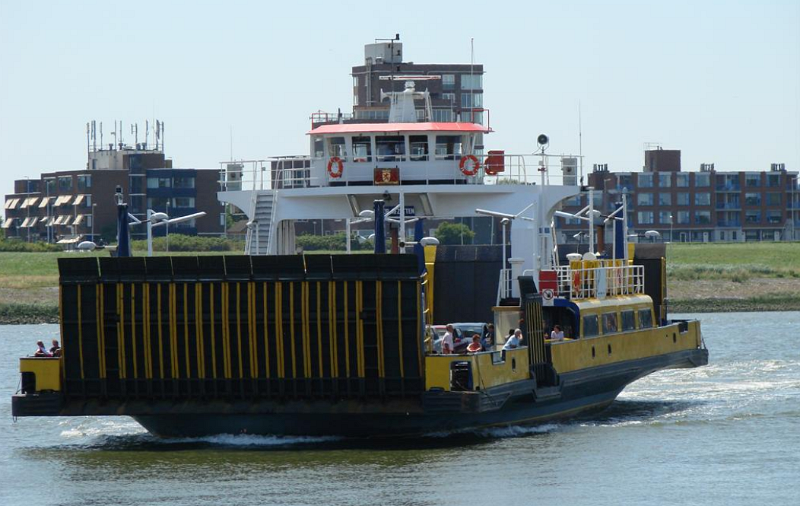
pixel 41 351
pixel 475 346
pixel 557 334
pixel 55 350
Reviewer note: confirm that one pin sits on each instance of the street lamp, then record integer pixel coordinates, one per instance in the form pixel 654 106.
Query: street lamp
pixel 93 207
pixel 671 237
pixel 155 219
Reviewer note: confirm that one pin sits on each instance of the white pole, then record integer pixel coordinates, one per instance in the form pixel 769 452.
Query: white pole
pixel 258 224
pixel 402 221
pixel 504 223
pixel 625 226
pixel 347 231
pixel 149 233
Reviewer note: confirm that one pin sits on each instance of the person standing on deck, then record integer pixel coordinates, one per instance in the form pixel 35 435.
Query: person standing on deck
pixel 447 341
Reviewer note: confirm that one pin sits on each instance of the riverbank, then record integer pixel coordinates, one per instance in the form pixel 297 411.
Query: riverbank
pixel 703 278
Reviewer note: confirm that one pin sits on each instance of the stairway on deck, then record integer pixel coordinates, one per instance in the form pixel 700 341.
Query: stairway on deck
pixel 258 235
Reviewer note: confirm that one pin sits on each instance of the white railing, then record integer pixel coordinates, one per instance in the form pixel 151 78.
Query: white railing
pixel 601 280
pixel 505 285
pixel 295 172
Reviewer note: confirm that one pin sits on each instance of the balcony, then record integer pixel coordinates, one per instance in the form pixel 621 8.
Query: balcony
pixel 729 187
pixel 732 223
pixel 729 205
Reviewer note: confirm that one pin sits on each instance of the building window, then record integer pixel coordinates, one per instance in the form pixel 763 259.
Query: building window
pixel 471 82
pixel 702 217
pixel 682 180
pixel 752 216
pixel 159 182
pixel 84 181
pixel 683 199
pixel 683 218
pixel 702 199
pixel 664 179
pixel 183 202
pixel 442 115
pixel 645 217
pixel 752 180
pixel 773 199
pixel 355 81
pixel 774 217
pixel 450 97
pixel 644 199
pixel 183 182
pixel 752 199
pixel 448 81
pixel 702 180
pixel 470 100
pixel 625 182
pixel 645 180
pixel 158 203
pixel 65 184
pixel 472 117
pixel 774 180
pixel 664 217
pixel 665 199
pixel 355 98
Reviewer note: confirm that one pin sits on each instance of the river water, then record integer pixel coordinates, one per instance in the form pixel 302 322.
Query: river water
pixel 724 434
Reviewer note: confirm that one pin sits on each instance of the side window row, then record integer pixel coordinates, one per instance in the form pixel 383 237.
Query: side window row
pixel 591 323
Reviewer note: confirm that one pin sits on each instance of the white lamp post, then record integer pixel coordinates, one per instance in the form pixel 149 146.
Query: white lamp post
pixel 157 219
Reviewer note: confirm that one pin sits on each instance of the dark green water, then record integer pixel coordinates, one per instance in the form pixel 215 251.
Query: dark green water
pixel 725 434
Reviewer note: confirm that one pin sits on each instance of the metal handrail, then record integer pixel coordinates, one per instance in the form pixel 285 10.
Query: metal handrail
pixel 602 280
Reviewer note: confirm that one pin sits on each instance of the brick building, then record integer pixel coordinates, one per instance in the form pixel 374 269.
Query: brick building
pixel 703 206
pixel 70 206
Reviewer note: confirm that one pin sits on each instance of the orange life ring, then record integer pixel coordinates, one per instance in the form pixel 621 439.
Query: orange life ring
pixel 475 165
pixel 336 174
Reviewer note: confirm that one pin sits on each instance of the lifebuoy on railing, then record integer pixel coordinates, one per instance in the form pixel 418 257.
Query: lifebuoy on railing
pixel 336 174
pixel 475 165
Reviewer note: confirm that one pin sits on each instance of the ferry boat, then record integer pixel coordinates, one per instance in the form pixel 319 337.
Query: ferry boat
pixel 279 343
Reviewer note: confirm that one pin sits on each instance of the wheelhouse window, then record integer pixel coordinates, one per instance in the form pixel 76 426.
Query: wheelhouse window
pixel 419 147
pixel 628 320
pixel 590 327
pixel 645 319
pixel 390 148
pixel 362 149
pixel 319 150
pixel 610 323
pixel 448 147
pixel 336 147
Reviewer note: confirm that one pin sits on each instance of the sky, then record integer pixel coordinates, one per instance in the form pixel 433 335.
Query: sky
pixel 719 80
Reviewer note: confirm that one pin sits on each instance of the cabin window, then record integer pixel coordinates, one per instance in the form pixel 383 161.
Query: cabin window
pixel 419 147
pixel 362 149
pixel 645 319
pixel 590 328
pixel 336 147
pixel 390 148
pixel 448 147
pixel 319 151
pixel 610 323
pixel 628 320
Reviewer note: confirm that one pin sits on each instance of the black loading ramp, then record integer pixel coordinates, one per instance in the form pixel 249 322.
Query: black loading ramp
pixel 240 327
